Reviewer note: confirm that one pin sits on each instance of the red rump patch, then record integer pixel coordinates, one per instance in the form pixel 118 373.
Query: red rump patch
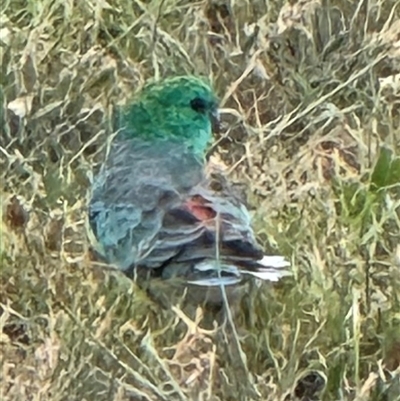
pixel 198 207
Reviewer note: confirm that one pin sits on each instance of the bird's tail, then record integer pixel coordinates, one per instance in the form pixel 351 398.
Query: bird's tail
pixel 215 273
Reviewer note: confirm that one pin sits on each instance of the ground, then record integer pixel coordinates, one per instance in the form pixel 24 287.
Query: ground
pixel 310 97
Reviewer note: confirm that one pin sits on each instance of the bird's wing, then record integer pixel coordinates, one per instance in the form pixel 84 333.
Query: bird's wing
pixel 209 231
pixel 131 195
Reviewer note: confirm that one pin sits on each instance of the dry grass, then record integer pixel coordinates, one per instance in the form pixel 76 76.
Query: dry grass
pixel 311 98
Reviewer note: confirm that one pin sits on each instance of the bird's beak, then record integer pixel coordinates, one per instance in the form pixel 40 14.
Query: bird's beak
pixel 215 121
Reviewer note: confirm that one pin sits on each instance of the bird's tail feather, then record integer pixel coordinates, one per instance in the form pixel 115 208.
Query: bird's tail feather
pixel 215 273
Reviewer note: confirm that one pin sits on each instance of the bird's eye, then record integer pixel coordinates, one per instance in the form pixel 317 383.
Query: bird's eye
pixel 198 104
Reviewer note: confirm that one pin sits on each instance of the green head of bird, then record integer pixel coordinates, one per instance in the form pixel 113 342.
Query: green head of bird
pixel 182 109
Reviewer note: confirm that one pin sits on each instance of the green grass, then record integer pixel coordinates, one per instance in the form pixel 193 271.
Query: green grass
pixel 311 116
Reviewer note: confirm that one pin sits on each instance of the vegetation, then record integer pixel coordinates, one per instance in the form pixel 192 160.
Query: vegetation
pixel 310 97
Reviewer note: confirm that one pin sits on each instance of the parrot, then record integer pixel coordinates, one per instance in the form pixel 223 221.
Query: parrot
pixel 159 209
